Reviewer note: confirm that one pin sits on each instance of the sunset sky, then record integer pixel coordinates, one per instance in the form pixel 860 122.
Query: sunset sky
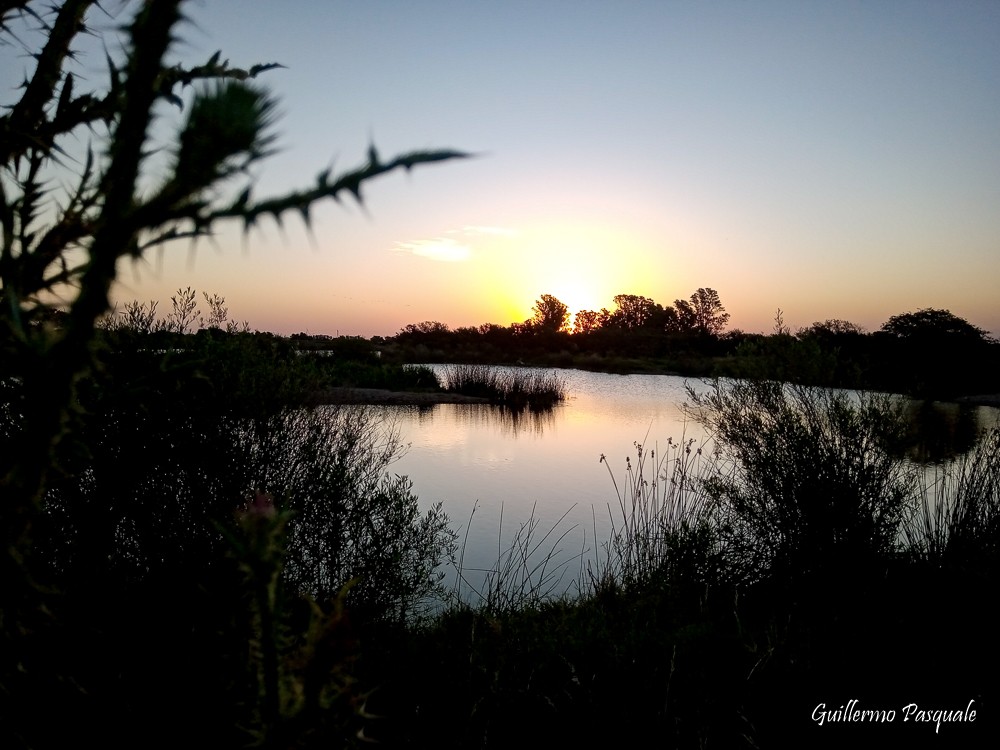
pixel 836 160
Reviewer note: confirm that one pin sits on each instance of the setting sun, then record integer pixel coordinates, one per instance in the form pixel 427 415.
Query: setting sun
pixel 583 264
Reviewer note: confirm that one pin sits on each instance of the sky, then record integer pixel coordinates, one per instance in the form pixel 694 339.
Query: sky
pixel 833 160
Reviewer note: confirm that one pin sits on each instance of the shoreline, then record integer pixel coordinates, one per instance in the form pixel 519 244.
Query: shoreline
pixel 383 397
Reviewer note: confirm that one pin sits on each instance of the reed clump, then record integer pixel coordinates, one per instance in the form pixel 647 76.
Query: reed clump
pixel 514 388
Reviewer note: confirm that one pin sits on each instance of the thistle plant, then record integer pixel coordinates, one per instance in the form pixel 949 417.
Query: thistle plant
pixel 87 182
pixel 302 683
pixel 68 220
pixel 60 247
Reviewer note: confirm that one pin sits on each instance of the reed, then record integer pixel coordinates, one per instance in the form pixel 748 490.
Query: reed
pixel 513 388
pixel 529 569
pixel 957 520
pixel 662 530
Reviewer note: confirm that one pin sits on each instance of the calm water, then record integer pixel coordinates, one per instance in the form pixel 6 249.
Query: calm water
pixel 546 467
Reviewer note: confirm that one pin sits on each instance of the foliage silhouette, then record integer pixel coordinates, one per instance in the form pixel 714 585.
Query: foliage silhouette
pixel 703 314
pixel 810 481
pixel 60 251
pixel 937 354
pixel 122 460
pixel 551 315
pixel 929 325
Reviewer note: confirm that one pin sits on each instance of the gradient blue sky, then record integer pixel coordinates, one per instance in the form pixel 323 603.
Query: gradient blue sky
pixel 834 159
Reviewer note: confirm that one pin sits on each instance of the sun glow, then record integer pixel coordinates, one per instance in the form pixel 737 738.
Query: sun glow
pixel 577 294
pixel 583 264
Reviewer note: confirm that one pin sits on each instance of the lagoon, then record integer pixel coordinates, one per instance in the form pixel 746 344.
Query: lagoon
pixel 494 472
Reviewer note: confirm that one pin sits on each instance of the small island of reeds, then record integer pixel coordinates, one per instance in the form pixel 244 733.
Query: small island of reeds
pixel 514 389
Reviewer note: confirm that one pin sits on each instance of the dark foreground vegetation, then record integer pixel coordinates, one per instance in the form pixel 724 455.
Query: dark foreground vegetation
pixel 194 551
pixel 223 559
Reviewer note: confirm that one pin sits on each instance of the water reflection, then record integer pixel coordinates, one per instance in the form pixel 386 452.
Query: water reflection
pixel 508 421
pixel 544 465
pixel 939 431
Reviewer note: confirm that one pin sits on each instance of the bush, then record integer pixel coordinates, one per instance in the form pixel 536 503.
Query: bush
pixel 352 521
pixel 179 442
pixel 808 478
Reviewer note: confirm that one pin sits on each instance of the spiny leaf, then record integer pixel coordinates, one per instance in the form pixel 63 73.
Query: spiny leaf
pixel 242 199
pixel 114 74
pixel 225 123
pixel 258 69
pixel 66 95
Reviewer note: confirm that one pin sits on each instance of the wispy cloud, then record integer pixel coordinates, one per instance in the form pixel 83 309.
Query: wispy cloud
pixel 439 248
pixel 455 245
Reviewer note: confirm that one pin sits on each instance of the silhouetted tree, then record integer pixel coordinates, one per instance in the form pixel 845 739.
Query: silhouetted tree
pixel 684 319
pixel 634 312
pixel 930 325
pixel 586 321
pixel 550 316
pixel 934 353
pixel 710 316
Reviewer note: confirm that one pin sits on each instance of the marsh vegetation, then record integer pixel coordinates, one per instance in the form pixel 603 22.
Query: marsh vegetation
pixel 514 389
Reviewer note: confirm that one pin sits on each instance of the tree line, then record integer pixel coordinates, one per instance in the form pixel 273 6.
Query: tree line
pixel 703 314
pixel 930 352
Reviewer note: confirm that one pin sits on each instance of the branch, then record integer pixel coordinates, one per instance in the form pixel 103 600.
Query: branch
pixel 17 129
pixel 301 201
pixel 153 216
pixel 212 69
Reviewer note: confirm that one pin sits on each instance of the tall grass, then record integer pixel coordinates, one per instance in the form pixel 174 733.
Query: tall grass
pixel 793 482
pixel 958 518
pixel 515 389
pixel 662 529
pixel 529 569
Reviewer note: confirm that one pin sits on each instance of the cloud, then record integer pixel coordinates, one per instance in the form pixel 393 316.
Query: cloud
pixel 449 249
pixel 440 248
